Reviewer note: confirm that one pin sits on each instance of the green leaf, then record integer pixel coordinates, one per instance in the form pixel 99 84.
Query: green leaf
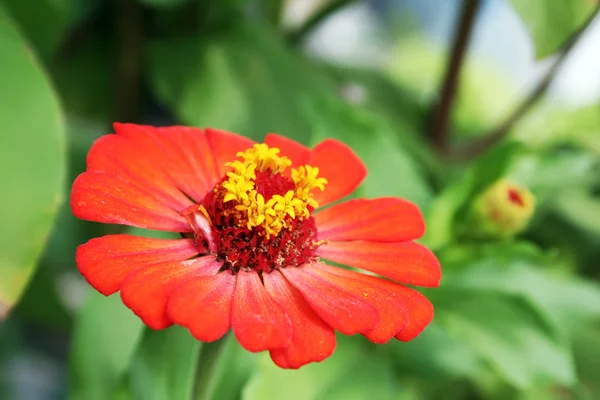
pixel 391 169
pixel 447 214
pixel 441 215
pixel 44 24
pixel 435 355
pixel 586 347
pixel 85 81
pixel 379 95
pixel 493 166
pixel 521 270
pixel 551 23
pixel 550 126
pixel 32 149
pixel 163 3
pixel 199 84
pixel 507 334
pixel 552 172
pixel 164 365
pixel 41 303
pixel 245 80
pixel 581 209
pixel 105 337
pixel 350 373
pixel 369 378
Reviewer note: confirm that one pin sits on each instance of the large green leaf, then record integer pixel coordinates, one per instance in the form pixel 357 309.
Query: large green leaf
pixel 350 373
pixel 550 23
pixel 32 150
pixel 164 365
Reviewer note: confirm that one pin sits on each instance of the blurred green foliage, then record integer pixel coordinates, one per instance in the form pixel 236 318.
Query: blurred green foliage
pixel 516 318
pixel 550 23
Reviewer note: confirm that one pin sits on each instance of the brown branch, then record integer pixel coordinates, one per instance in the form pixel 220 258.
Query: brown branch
pixel 482 144
pixel 443 110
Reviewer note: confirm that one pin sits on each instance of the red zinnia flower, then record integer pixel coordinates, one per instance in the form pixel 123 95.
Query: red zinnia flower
pixel 249 256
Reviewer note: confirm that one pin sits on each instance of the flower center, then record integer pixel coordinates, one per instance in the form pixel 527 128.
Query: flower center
pixel 515 197
pixel 257 216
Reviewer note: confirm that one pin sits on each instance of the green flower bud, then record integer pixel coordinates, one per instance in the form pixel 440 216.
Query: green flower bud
pixel 504 209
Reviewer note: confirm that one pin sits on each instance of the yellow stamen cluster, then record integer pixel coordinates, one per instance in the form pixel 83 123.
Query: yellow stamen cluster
pixel 306 179
pixel 262 157
pixel 270 214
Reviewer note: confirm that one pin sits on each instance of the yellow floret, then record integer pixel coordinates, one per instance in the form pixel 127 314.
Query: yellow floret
pixel 276 213
pixel 306 177
pixel 264 157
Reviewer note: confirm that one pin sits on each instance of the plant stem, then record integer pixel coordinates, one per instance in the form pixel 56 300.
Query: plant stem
pixel 315 20
pixel 208 361
pixel 442 114
pixel 130 60
pixel 480 145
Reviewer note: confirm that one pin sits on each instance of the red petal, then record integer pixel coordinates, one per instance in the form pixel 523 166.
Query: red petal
pixel 147 290
pixel 407 262
pixel 183 153
pixel 225 145
pixel 106 261
pixel 122 157
pixel 101 197
pixel 298 153
pixel 387 219
pixel 420 309
pixel 258 322
pixel 203 305
pixel 312 339
pixel 393 314
pixel 338 306
pixel 341 167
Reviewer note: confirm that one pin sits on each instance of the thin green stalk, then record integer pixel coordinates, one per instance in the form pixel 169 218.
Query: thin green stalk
pixel 207 368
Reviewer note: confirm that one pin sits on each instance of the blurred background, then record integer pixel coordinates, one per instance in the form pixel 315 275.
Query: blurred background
pixel 468 108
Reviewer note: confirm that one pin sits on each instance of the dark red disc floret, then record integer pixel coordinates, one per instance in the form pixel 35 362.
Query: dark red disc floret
pixel 240 247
